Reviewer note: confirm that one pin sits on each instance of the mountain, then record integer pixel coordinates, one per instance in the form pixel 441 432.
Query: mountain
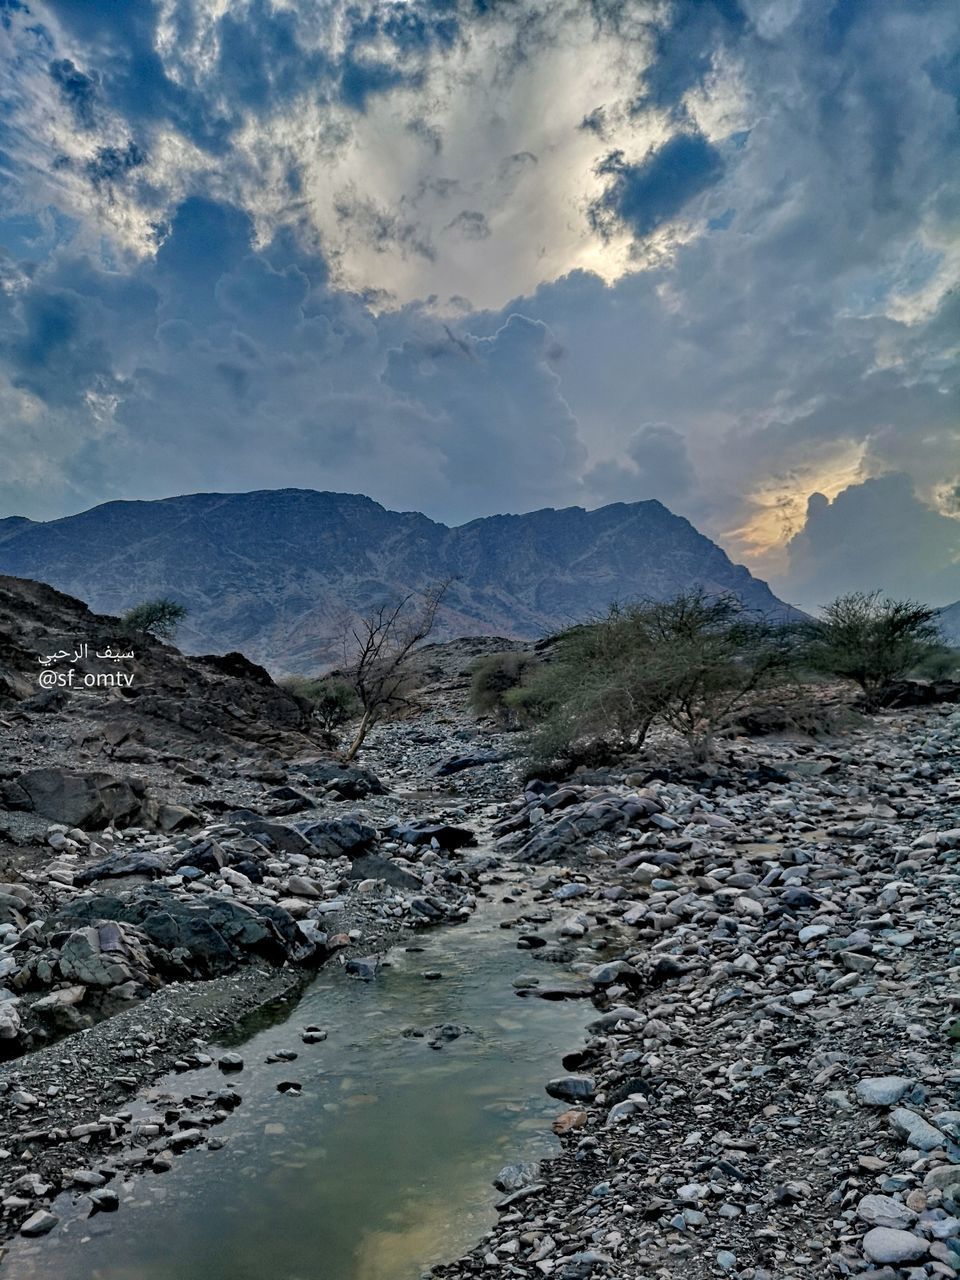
pixel 276 573
pixel 948 619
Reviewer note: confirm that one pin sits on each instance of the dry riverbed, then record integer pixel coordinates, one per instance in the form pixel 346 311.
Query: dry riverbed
pixel 768 1082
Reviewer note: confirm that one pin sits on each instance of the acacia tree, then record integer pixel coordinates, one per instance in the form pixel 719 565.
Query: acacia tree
pixel 689 663
pixel 708 659
pixel 158 618
pixel 872 640
pixel 378 667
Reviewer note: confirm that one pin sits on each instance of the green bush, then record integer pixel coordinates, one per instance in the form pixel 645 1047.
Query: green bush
pixel 158 618
pixel 941 663
pixel 873 641
pixel 688 663
pixel 496 682
pixel 334 701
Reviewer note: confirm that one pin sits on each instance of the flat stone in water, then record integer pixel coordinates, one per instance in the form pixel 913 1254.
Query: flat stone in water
pixel 39 1223
pixel 572 1088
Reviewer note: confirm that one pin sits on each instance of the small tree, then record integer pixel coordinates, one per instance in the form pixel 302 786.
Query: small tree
pixel 158 618
pixel 378 668
pixel 872 640
pixel 689 663
pixel 332 700
pixel 709 659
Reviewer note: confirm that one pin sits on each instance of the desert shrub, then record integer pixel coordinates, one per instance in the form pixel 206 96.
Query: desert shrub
pixel 941 663
pixel 873 641
pixel 158 618
pixel 332 699
pixel 688 663
pixel 496 676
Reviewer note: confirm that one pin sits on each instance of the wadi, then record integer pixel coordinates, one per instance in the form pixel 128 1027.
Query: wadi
pixel 479 640
pixel 563 973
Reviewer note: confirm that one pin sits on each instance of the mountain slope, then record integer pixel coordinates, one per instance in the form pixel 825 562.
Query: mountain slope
pixel 276 573
pixel 948 619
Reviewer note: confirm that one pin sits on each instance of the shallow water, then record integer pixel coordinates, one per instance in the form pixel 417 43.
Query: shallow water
pixel 383 1166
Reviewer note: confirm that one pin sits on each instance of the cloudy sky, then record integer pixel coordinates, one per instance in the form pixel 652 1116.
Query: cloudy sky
pixel 472 256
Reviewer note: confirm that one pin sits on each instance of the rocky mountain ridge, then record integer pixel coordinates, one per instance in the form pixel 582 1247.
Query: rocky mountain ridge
pixel 276 573
pixel 948 619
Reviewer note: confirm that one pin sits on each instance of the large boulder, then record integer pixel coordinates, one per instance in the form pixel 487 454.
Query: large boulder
pixel 343 781
pixel 104 954
pixel 86 800
pixel 425 832
pixel 339 837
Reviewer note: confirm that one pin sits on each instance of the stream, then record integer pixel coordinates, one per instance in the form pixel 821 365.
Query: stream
pixel 383 1165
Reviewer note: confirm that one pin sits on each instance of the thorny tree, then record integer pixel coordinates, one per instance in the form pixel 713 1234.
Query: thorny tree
pixel 378 668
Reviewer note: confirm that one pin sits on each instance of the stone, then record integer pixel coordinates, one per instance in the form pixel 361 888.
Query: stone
pixel 574 1088
pixel 883 1244
pixel 915 1129
pixel 884 1211
pixel 230 1062
pixel 39 1223
pixel 882 1091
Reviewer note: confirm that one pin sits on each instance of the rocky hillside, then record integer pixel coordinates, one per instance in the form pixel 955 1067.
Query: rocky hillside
pixel 275 573
pixel 135 699
pixel 949 620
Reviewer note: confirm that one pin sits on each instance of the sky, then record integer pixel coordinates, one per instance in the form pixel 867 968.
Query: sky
pixel 480 256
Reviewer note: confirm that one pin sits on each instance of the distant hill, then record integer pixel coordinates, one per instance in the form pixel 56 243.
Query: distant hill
pixel 276 573
pixel 949 619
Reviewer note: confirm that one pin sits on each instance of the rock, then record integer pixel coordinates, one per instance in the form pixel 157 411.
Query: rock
pixel 514 1176
pixel 9 1018
pixel 883 1244
pixel 578 1088
pixel 915 1129
pixel 882 1091
pixel 364 967
pixel 86 800
pixel 883 1211
pixel 230 1062
pixel 39 1223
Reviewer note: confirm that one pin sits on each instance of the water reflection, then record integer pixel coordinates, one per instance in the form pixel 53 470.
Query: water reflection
pixel 383 1164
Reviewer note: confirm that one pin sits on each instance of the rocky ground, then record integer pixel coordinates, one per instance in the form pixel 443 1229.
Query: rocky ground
pixel 768 1086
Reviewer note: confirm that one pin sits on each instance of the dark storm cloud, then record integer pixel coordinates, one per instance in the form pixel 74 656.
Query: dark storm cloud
pixel 180 300
pixel 900 545
pixel 470 224
pixel 77 89
pixel 642 196
pixel 216 347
